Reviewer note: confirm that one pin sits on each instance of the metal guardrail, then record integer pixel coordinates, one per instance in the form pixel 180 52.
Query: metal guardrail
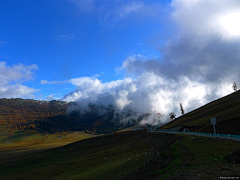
pixel 213 135
pixel 226 136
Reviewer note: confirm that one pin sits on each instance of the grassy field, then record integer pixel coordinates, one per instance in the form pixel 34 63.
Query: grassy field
pixel 22 139
pixel 200 158
pixel 129 155
pixel 24 144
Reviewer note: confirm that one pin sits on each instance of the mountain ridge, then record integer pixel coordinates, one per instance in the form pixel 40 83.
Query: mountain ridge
pixel 53 116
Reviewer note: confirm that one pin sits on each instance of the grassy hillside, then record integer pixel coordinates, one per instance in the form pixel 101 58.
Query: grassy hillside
pixel 129 155
pixel 226 110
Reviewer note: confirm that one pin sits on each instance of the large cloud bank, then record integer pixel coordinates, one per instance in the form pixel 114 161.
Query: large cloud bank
pixel 198 64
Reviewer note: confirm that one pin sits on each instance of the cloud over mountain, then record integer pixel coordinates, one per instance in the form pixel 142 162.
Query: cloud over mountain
pixel 198 64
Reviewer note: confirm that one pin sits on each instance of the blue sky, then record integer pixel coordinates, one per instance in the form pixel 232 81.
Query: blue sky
pixel 136 54
pixel 66 41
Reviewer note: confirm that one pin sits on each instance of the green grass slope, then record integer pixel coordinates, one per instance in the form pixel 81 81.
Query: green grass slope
pixel 103 157
pixel 226 110
pixel 129 155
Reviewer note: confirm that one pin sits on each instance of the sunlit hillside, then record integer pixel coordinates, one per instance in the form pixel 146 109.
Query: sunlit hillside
pixel 225 109
pixel 32 116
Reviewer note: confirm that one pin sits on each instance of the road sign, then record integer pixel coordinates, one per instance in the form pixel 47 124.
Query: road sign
pixel 213 122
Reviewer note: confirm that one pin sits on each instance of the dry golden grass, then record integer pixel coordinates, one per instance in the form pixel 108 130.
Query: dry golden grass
pixel 22 141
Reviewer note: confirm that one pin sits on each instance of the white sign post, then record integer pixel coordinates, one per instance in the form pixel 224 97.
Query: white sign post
pixel 213 122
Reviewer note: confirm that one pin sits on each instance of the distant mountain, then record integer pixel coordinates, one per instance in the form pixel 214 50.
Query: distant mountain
pixel 225 109
pixel 52 116
pixel 96 120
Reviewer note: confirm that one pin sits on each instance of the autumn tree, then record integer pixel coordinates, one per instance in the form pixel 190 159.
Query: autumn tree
pixel 235 86
pixel 144 129
pixel 172 116
pixel 181 108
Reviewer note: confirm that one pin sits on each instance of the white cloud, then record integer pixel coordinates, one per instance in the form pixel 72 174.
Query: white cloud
pixel 112 12
pixel 74 81
pixel 127 94
pixel 81 80
pixel 148 93
pixel 11 78
pixel 53 82
pixel 15 73
pixel 50 98
pixel 204 49
pixel 17 91
pixel 85 6
pixel 208 18
pixel 122 11
pixel 65 37
pixel 197 65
